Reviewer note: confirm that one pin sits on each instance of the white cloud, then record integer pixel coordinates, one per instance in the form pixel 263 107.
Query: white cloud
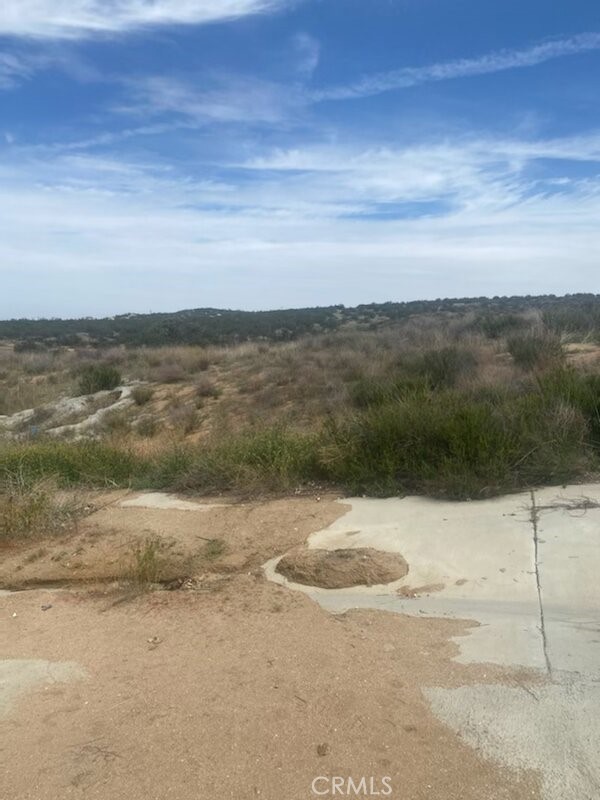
pixel 16 68
pixel 77 18
pixel 498 61
pixel 308 53
pixel 471 174
pixel 300 227
pixel 229 99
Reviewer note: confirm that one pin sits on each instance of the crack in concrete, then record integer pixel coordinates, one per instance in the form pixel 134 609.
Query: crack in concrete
pixel 534 518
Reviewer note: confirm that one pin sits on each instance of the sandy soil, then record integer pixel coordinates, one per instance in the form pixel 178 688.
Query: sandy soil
pixel 240 689
pixel 339 569
pixel 222 539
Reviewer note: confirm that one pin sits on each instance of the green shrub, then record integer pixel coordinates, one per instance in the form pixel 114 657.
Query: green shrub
pixel 406 437
pixel 169 469
pixel 535 350
pixel 495 326
pixel 366 393
pixel 433 369
pixel 582 320
pixel 266 459
pixel 442 368
pixel 147 562
pixel 97 378
pixel 578 389
pixel 449 444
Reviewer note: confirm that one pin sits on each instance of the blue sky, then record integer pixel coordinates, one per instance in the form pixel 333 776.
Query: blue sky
pixel 165 154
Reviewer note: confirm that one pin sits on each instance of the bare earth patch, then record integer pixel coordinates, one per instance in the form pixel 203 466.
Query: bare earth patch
pixel 235 693
pixel 218 539
pixel 238 688
pixel 340 569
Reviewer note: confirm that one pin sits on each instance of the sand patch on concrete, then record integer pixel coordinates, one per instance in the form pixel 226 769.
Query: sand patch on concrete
pixel 339 569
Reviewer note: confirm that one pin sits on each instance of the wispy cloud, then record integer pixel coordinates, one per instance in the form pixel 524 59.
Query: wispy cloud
pixel 497 61
pixel 221 99
pixel 21 64
pixel 308 53
pixel 299 219
pixel 78 18
pixel 14 69
pixel 245 99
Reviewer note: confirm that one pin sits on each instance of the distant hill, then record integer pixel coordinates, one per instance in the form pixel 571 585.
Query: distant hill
pixel 204 326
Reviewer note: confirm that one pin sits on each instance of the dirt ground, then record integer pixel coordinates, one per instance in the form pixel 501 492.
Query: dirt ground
pixel 239 688
pixel 222 538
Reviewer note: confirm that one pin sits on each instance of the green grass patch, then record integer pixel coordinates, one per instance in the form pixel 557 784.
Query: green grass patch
pixel 87 463
pixel 403 436
pixel 271 459
pixel 454 445
pixel 536 350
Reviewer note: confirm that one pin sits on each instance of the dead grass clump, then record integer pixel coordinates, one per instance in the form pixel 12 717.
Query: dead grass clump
pixel 38 364
pixel 184 418
pixel 206 388
pixel 116 422
pixel 147 427
pixel 192 361
pixel 142 395
pixel 34 508
pixel 155 562
pixel 170 373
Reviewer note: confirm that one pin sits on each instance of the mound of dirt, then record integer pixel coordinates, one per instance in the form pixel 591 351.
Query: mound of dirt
pixel 340 569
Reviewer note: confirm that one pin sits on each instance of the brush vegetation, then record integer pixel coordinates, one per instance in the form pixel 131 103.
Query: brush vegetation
pixel 32 507
pixel 465 404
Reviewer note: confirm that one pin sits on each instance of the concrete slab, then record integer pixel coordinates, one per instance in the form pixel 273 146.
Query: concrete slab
pixel 466 560
pixel 568 530
pixel 549 728
pixel 526 569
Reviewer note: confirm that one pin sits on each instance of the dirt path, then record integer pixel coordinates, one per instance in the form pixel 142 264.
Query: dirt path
pixel 238 689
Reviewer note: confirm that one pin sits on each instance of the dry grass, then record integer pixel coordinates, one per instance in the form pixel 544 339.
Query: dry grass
pixel 199 392
pixel 30 509
pixel 147 563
